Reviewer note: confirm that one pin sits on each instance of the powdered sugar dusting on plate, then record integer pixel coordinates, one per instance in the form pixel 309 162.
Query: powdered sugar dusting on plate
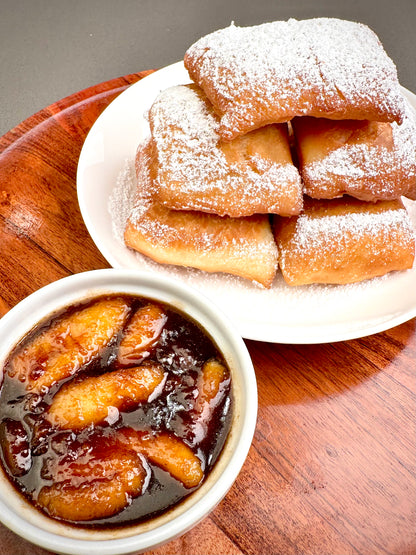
pixel 121 200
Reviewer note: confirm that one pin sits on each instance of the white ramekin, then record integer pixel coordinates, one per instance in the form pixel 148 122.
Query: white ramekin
pixel 21 517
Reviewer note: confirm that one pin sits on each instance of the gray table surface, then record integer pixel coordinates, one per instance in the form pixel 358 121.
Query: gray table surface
pixel 50 49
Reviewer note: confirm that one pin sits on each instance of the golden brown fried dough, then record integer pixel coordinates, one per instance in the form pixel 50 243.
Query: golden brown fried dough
pixel 323 67
pixel 94 399
pixel 98 484
pixel 195 170
pixel 241 246
pixel 142 333
pixel 67 345
pixel 365 159
pixel 344 241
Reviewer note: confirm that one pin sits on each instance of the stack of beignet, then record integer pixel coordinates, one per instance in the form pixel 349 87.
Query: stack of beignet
pixel 291 148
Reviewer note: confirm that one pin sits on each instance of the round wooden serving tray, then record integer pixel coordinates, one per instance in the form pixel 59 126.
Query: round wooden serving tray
pixel 332 467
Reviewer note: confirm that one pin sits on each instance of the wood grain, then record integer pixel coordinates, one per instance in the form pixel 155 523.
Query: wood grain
pixel 332 465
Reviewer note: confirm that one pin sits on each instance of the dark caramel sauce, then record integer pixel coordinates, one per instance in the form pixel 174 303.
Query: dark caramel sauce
pixel 29 444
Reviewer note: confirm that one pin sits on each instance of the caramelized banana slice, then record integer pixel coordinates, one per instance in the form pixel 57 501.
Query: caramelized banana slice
pixel 97 485
pixel 211 385
pixel 169 453
pixel 67 345
pixel 92 400
pixel 141 334
pixel 213 378
pixel 89 501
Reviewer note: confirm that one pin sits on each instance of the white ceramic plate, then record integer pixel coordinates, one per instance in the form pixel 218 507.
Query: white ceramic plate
pixel 282 314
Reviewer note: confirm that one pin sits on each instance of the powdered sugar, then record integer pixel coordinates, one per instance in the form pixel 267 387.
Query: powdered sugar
pixel 121 199
pixel 357 223
pixel 293 68
pixel 371 167
pixel 243 246
pixel 126 199
pixel 315 233
pixel 194 172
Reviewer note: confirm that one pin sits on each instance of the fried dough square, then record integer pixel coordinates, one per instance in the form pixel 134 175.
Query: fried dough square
pixel 197 171
pixel 269 73
pixel 241 246
pixel 365 159
pixel 344 241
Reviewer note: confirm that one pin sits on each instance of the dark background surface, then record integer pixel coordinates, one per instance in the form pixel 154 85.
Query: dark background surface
pixel 50 49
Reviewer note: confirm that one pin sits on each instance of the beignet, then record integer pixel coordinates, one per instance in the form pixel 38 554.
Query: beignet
pixel 344 241
pixel 241 246
pixel 269 73
pixel 197 171
pixel 365 159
